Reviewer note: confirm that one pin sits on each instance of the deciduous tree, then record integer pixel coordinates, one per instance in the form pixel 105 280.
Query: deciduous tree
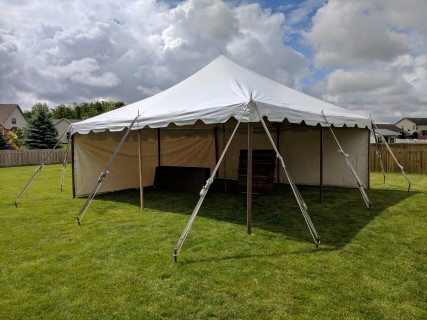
pixel 3 143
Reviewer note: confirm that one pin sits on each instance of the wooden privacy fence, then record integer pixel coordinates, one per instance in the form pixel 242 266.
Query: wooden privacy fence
pixel 12 158
pixel 413 158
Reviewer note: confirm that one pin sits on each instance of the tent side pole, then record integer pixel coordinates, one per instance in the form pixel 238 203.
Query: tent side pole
pixel 141 183
pixel 378 152
pixel 73 180
pixel 64 163
pixel 216 147
pixel 393 156
pixel 321 165
pixel 159 148
pixel 369 161
pixel 225 159
pixel 249 180
pixel 278 148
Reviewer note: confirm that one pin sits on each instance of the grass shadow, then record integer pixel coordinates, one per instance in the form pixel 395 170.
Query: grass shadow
pixel 341 216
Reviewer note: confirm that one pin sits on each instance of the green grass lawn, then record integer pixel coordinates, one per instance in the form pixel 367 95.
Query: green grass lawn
pixel 372 264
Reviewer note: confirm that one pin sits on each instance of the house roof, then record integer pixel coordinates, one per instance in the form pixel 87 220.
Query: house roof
pixel 6 110
pixel 417 121
pixel 387 133
pixel 389 126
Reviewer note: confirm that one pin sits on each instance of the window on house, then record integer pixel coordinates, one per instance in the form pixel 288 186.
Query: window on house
pixel 13 120
pixel 413 127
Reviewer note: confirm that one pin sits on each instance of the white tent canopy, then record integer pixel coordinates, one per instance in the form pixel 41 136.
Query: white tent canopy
pixel 196 118
pixel 216 93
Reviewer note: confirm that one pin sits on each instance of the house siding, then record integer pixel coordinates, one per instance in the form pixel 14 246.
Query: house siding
pixel 410 127
pixel 407 125
pixel 21 122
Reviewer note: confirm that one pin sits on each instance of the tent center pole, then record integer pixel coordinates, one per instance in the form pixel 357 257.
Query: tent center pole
pixel 249 180
pixel 159 148
pixel 278 149
pixel 141 182
pixel 321 165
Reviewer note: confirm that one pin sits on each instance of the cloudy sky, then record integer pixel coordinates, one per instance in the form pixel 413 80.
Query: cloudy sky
pixel 365 55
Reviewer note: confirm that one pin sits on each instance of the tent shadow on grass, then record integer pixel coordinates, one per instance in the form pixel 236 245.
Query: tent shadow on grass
pixel 341 216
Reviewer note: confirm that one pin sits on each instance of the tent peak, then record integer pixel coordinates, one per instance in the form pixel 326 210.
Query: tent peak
pixel 220 91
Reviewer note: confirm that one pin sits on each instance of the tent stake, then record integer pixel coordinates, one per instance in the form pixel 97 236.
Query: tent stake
pixel 301 203
pixel 37 171
pixel 203 193
pixel 345 155
pixel 103 174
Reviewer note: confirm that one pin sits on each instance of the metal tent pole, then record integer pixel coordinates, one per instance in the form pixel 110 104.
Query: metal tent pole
pixel 321 164
pixel 141 182
pixel 64 164
pixel 394 157
pixel 301 203
pixel 346 157
pixel 203 193
pixel 378 149
pixel 38 169
pixel 278 148
pixel 249 180
pixel 103 174
pixel 225 159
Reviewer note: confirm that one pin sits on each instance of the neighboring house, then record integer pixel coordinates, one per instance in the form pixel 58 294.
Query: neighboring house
pixel 62 125
pixel 389 131
pixel 411 125
pixel 11 117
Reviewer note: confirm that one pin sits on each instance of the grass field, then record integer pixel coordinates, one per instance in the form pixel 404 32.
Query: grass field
pixel 372 264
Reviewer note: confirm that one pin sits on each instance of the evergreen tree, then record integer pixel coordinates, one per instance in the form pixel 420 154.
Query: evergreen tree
pixel 3 143
pixel 40 132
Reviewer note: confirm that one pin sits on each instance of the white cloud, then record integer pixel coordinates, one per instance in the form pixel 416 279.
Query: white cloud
pixel 77 50
pixel 368 54
pixel 350 32
pixel 373 54
pixel 395 89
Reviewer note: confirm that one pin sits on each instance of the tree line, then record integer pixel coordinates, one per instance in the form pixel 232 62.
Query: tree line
pixel 40 133
pixel 76 111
